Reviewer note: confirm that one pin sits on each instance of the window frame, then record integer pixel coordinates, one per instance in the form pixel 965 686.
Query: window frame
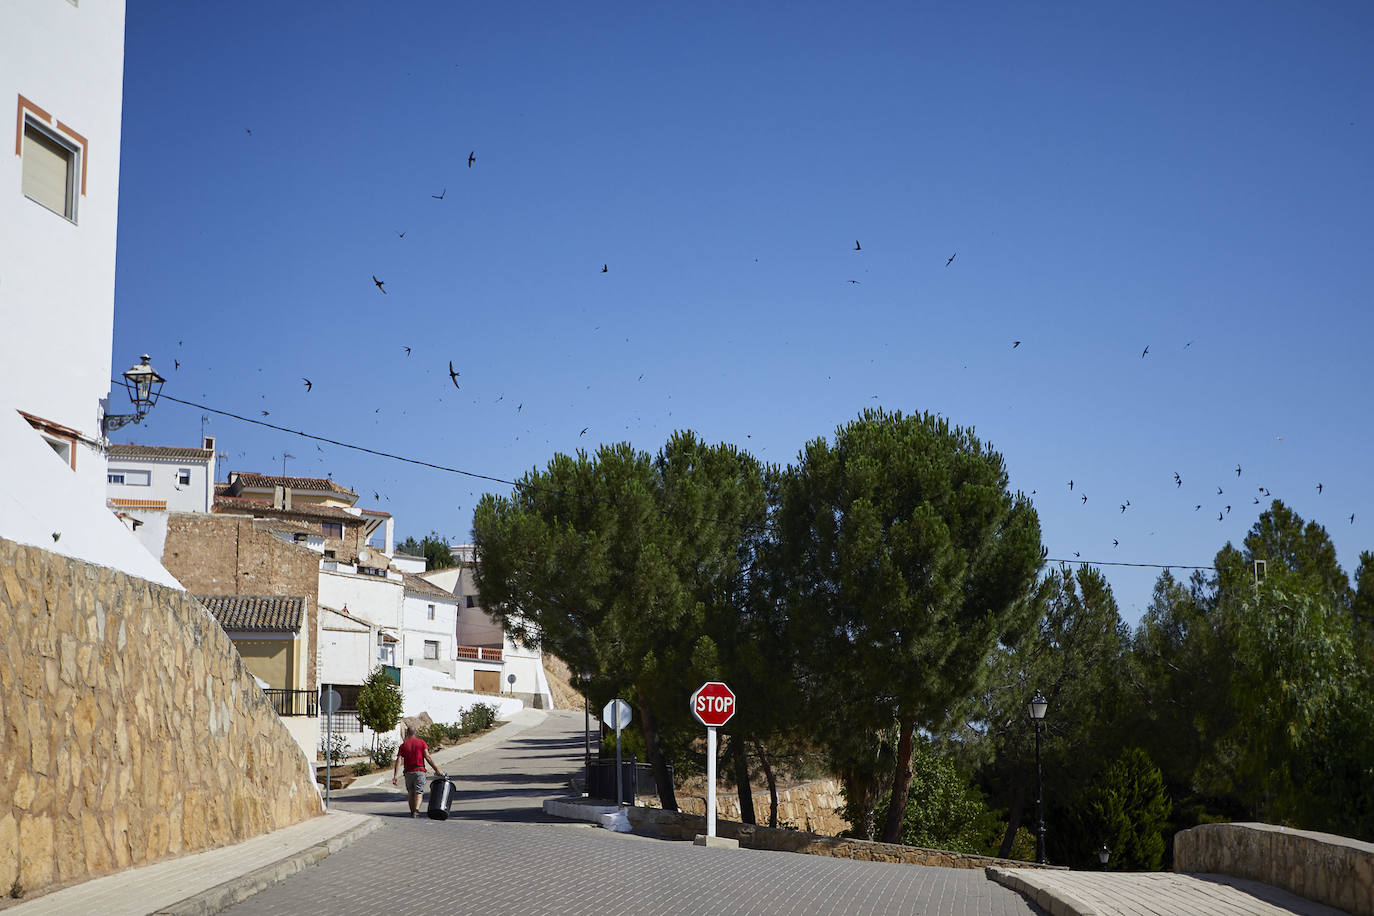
pixel 31 117
pixel 435 644
pixel 183 477
pixel 332 530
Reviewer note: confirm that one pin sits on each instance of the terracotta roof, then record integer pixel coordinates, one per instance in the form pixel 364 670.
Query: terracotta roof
pixel 418 586
pixel 136 503
pixel 267 482
pixel 167 453
pixel 241 504
pixel 255 612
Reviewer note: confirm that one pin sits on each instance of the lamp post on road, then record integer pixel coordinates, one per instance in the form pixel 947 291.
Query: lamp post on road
pixel 586 678
pixel 1038 705
pixel 1104 855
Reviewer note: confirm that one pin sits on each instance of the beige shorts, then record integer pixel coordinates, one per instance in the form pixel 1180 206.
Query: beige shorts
pixel 415 782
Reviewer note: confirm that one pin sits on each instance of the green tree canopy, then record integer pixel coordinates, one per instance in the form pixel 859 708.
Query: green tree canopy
pixel 1125 809
pixel 379 702
pixel 611 562
pixel 906 560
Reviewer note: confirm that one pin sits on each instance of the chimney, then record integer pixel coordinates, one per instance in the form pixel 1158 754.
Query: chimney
pixel 279 497
pixel 286 497
pixel 208 444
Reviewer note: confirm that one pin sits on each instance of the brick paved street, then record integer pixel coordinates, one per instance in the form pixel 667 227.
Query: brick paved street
pixel 501 854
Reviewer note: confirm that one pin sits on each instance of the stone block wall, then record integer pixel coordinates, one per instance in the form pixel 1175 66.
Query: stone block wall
pixel 234 555
pixel 1329 869
pixel 130 731
pixel 812 807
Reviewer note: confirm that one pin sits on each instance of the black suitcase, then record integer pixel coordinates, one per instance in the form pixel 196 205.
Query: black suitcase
pixel 441 790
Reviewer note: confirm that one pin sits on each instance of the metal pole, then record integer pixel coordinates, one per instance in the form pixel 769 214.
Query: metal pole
pixel 587 744
pixel 1039 802
pixel 710 781
pixel 328 753
pixel 619 771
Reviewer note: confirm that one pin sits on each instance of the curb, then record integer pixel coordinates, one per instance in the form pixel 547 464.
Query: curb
pixel 236 890
pixel 576 810
pixel 1056 903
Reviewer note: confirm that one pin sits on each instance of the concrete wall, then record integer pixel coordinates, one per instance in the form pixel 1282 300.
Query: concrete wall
pixel 131 729
pixel 232 555
pixel 1329 869
pixel 59 274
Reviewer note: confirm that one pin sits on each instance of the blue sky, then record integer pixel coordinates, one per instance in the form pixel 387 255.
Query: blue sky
pixel 1194 178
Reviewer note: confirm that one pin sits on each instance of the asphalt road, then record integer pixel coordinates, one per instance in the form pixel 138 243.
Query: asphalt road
pixel 500 854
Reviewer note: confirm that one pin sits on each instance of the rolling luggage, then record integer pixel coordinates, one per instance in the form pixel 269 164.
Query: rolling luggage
pixel 441 790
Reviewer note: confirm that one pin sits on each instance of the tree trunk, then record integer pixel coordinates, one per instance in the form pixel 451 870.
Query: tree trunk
pixel 1018 804
pixel 666 796
pixel 739 755
pixel 772 784
pixel 901 785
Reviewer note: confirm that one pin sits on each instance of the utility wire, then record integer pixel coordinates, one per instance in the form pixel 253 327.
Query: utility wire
pixel 526 486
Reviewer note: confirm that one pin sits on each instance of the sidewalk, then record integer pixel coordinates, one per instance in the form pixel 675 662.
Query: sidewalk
pixel 1086 893
pixel 207 882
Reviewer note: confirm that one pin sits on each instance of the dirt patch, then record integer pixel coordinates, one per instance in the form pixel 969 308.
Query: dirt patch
pixel 565 696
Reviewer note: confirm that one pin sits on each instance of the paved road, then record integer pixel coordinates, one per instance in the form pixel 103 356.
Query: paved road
pixel 500 853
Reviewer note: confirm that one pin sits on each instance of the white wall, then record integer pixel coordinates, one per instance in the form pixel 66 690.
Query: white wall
pixel 57 294
pixel 372 598
pixel 416 628
pixel 38 501
pixel 162 483
pixel 428 691
pixel 346 656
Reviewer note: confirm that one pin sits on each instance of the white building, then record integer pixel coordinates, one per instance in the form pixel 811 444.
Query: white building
pixel 143 483
pixel 429 623
pixel 59 198
pixel 62 74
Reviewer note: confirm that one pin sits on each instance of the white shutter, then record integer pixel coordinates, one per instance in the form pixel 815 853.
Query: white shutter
pixel 47 171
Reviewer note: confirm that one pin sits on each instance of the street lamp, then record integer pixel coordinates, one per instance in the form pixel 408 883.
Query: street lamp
pixel 1104 855
pixel 1038 705
pixel 144 385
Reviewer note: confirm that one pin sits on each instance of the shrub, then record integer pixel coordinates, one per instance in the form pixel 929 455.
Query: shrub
pixel 383 754
pixel 434 735
pixel 478 718
pixel 362 768
pixel 1127 809
pixel 942 810
pixel 334 749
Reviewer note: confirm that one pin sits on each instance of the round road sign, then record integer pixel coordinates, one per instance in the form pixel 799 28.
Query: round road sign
pixel 713 704
pixel 329 702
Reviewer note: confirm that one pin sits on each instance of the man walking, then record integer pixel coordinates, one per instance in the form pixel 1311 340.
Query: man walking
pixel 414 752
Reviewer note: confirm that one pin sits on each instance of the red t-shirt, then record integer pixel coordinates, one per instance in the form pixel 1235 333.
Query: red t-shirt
pixel 413 753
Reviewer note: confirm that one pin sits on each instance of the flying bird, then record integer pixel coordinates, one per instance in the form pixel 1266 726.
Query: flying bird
pixel 453 375
pixel 379 284
pixel 472 157
pixel 265 413
pixel 1319 489
pixel 1352 518
pixel 1077 554
pixel 1218 491
pixel 1228 510
pixel 951 259
pixel 1197 507
pixel 1015 344
pixel 400 234
pixel 440 195
pixel 1070 486
pixel 1257 500
pixel 1218 516
pixel 1178 481
pixel 605 268
pixel 584 431
pixel 1123 508
pixel 176 364
pixel 1144 351
pixel 1237 470
pixel 1115 542
pixel 1085 497
pixel 407 351
pixel 855 282
pixel 308 384
pixel 857 247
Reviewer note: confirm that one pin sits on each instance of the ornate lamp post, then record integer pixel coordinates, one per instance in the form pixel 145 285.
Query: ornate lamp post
pixel 1104 856
pixel 144 385
pixel 1038 705
pixel 586 678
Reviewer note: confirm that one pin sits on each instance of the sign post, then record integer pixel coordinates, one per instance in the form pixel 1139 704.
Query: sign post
pixel 617 716
pixel 713 704
pixel 329 704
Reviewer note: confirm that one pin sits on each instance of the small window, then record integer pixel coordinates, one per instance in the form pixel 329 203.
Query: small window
pixel 184 477
pixel 329 554
pixel 331 529
pixel 114 477
pixel 128 478
pixel 472 601
pixel 51 166
pixel 431 649
pixel 431 612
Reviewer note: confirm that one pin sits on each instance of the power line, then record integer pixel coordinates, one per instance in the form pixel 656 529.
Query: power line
pixel 1118 563
pixel 526 486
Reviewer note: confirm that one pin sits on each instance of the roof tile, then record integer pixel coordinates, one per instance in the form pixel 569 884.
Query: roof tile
pixel 255 612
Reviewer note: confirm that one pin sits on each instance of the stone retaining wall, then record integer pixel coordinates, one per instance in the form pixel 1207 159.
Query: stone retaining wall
pixel 812 806
pixel 679 826
pixel 130 730
pixel 1323 867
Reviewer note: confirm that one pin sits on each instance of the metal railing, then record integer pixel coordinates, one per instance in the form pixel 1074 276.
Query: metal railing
pixel 636 779
pixel 293 702
pixel 343 721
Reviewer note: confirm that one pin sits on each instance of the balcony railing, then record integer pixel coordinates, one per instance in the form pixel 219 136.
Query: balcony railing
pixel 294 702
pixel 479 653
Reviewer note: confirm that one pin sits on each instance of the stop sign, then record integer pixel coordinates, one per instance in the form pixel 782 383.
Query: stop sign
pixel 713 704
